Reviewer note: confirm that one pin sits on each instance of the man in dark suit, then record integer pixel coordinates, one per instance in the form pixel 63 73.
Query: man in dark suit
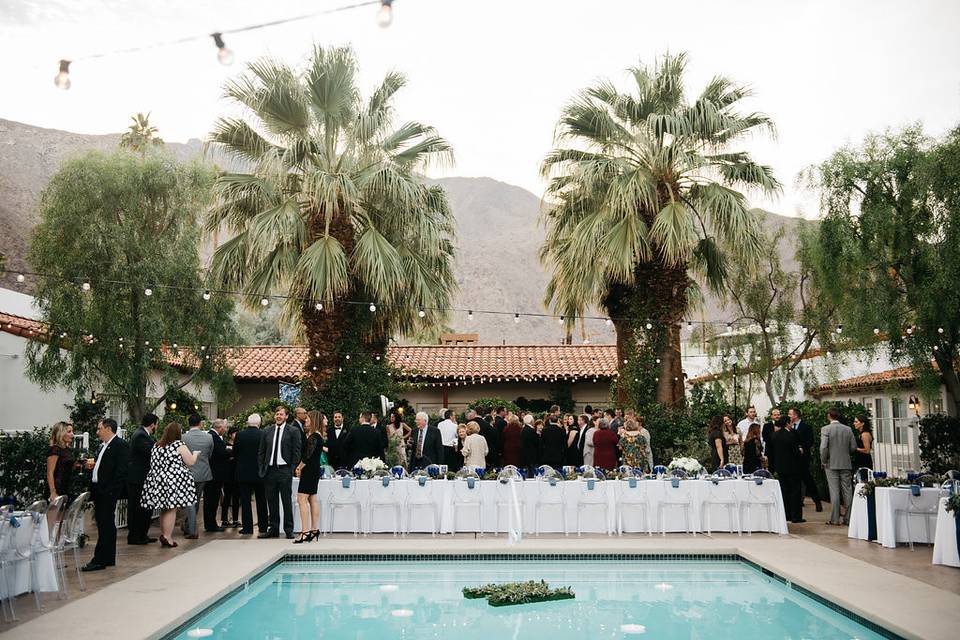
pixel 805 439
pixel 141 445
pixel 489 433
pixel 381 427
pixel 300 419
pixel 553 443
pixel 336 437
pixel 427 443
pixel 766 433
pixel 788 461
pixel 363 441
pixel 219 468
pixel 500 423
pixel 279 453
pixel 108 483
pixel 246 450
pixel 530 446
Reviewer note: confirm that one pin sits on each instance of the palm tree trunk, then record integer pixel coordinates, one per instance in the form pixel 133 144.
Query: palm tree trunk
pixel 666 289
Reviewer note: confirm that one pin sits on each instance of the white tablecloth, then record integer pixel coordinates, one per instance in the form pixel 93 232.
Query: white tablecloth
pixel 892 528
pixel 454 499
pixel 945 542
pixel 20 579
pixel 859 518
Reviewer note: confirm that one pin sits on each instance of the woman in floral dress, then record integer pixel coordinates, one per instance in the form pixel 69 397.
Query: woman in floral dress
pixel 634 446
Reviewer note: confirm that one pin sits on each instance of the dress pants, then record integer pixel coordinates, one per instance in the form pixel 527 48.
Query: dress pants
pixel 231 502
pixel 104 513
pixel 138 518
pixel 840 483
pixel 449 456
pixel 211 504
pixel 279 484
pixel 809 486
pixel 191 524
pixel 792 496
pixel 248 489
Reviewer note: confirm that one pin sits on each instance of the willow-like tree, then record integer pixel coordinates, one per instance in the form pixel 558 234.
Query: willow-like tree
pixel 644 196
pixel 330 210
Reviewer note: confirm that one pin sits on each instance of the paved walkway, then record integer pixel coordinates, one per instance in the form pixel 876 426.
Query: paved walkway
pixel 817 549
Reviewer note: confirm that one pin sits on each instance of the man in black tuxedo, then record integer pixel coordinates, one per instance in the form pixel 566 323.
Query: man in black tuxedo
pixel 769 427
pixel 336 437
pixel 141 445
pixel 219 470
pixel 553 443
pixel 279 453
pixel 804 434
pixel 246 451
pixel 500 422
pixel 788 461
pixel 427 443
pixel 529 446
pixel 108 484
pixel 300 419
pixel 363 441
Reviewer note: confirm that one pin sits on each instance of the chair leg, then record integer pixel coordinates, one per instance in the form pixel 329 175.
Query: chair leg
pixel 909 533
pixel 35 581
pixel 76 566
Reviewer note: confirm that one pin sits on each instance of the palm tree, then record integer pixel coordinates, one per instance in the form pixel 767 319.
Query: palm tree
pixel 141 134
pixel 642 196
pixel 331 211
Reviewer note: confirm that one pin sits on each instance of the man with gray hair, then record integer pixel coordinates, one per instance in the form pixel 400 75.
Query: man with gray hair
pixel 837 444
pixel 427 443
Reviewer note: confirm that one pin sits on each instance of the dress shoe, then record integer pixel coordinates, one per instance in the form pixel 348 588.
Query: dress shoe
pixel 216 530
pixel 289 536
pixel 144 541
pixel 151 540
pixel 245 532
pixel 192 536
pixel 269 534
pixel 819 507
pixel 93 566
pixel 800 521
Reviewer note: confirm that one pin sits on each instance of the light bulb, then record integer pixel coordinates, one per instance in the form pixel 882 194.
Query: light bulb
pixel 206 295
pixel 876 331
pixel 560 320
pixel 62 79
pixel 224 55
pixel 649 326
pixel 264 302
pixel 318 306
pixel 516 318
pixel 608 322
pixel 689 326
pixel 839 328
pixel 148 292
pixel 85 286
pixel 470 315
pixel 729 327
pixel 20 278
pixel 939 329
pixel 421 313
pixel 385 14
pixel 373 307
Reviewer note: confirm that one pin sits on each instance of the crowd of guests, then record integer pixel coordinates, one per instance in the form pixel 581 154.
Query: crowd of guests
pixel 784 445
pixel 227 470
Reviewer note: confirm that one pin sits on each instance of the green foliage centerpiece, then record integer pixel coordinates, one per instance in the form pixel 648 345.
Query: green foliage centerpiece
pixel 509 593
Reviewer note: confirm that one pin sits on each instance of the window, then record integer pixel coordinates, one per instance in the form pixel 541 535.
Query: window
pixel 878 419
pixel 898 412
pixel 935 405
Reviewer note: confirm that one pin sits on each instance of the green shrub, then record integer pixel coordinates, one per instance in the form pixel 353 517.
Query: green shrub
pixel 485 405
pixel 23 466
pixel 265 407
pixel 940 442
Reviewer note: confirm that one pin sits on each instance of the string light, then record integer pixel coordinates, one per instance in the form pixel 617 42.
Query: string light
pixel 516 318
pixel 21 278
pixel 608 322
pixel 85 286
pixel 649 325
pixel 470 315
pixel 148 292
pixel 689 326
pixel 421 312
pixel 206 294
pixel 385 14
pixel 224 55
pixel 62 79
pixel 839 329
pixel 264 302
pixel 940 330
pixel 560 320
pixel 318 306
pixel 373 308
pixel 729 327
pixel 876 331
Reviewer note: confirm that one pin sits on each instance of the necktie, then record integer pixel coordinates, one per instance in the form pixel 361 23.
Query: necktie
pixel 276 445
pixel 420 440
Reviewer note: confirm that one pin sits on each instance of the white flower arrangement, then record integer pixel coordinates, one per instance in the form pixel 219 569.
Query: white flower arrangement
pixel 690 465
pixel 369 465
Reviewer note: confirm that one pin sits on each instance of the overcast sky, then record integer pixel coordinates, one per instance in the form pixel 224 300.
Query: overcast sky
pixel 492 75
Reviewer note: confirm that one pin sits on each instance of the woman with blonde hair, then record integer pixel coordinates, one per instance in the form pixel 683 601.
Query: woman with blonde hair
pixel 169 485
pixel 474 447
pixel 60 462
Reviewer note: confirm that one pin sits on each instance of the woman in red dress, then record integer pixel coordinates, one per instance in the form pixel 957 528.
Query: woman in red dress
pixel 511 444
pixel 605 447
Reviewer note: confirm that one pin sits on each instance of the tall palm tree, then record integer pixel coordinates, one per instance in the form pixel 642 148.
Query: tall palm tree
pixel 331 210
pixel 141 135
pixel 642 196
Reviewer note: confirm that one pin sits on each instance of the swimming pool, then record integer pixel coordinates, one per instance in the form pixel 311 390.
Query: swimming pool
pixel 621 597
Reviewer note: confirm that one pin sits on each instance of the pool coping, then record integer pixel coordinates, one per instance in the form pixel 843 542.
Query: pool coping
pixel 155 602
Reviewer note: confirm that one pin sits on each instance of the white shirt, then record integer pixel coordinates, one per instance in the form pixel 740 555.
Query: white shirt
pixel 96 467
pixel 448 432
pixel 277 440
pixel 744 425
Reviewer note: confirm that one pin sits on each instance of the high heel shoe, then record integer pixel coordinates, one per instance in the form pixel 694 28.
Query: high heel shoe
pixel 166 543
pixel 304 537
pixel 313 535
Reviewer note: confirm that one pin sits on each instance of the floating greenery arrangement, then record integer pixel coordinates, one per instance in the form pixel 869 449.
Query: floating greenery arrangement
pixel 508 593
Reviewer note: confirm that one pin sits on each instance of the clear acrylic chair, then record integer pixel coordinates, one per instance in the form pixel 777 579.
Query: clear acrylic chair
pixel 633 498
pixel 8 533
pixel 345 498
pixel 759 499
pixel 592 495
pixel 420 498
pixel 504 495
pixel 549 496
pixel 384 496
pixel 719 494
pixel 916 507
pixel 25 545
pixel 69 540
pixel 54 522
pixel 467 495
pixel 674 499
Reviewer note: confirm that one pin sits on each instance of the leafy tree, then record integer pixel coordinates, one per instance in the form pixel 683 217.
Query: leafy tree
pixel 892 228
pixel 140 136
pixel 644 193
pixel 781 315
pixel 332 208
pixel 126 223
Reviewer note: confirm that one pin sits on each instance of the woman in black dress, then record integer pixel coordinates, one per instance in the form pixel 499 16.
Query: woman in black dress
pixel 752 450
pixel 309 473
pixel 717 443
pixel 863 456
pixel 230 504
pixel 574 455
pixel 60 461
pixel 456 461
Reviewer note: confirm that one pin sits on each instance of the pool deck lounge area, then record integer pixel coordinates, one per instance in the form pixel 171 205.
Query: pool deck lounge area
pixel 157 600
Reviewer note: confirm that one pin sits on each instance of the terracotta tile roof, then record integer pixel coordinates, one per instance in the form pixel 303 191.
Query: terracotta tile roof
pixel 901 376
pixel 424 363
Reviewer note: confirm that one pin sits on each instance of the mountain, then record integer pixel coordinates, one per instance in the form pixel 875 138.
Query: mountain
pixel 498 236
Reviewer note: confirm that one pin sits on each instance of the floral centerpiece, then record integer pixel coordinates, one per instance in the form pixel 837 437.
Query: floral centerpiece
pixel 499 595
pixel 691 465
pixel 368 466
pixel 953 505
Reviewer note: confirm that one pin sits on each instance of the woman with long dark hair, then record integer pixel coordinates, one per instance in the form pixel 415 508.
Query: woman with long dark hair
pixel 717 443
pixel 169 485
pixel 752 449
pixel 863 456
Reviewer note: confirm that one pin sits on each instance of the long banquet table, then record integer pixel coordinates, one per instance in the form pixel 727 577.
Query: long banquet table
pixel 453 499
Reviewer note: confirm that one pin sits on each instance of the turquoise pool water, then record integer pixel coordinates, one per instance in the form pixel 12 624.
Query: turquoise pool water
pixel 411 600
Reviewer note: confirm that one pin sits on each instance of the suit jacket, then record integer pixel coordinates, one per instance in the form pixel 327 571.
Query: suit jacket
pixel 553 443
pixel 530 447
pixel 766 434
pixel 246 451
pixel 836 446
pixel 500 423
pixel 111 481
pixel 199 440
pixel 432 446
pixel 141 445
pixel 335 455
pixel 513 446
pixel 289 448
pixel 786 458
pixel 489 433
pixel 804 435
pixel 363 441
pixel 219 459
pixel 384 438
pixel 303 438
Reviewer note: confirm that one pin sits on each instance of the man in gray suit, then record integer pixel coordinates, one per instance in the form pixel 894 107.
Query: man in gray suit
pixel 837 444
pixel 279 454
pixel 197 440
